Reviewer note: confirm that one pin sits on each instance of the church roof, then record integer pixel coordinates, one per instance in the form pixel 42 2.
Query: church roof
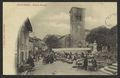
pixel 64 36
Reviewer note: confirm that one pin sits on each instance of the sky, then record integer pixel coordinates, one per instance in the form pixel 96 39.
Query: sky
pixel 55 19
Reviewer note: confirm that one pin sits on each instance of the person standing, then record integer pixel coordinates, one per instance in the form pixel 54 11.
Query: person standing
pixel 85 65
pixel 94 63
pixel 30 61
pixel 51 57
pixel 70 56
pixel 82 55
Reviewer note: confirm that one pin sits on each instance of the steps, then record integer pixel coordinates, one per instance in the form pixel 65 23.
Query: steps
pixel 111 70
pixel 113 67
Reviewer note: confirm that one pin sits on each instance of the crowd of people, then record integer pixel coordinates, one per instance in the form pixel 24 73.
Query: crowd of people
pixel 83 60
pixel 49 56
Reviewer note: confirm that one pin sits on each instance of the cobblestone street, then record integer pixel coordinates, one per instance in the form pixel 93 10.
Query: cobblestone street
pixel 60 68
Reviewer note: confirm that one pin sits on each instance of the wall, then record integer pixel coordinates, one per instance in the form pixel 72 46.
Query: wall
pixel 77 21
pixel 23 45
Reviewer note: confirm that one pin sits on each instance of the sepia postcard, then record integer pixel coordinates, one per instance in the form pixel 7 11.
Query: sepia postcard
pixel 57 38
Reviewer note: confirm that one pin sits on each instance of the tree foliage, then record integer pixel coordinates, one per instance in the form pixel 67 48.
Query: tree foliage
pixel 113 38
pixel 51 41
pixel 102 35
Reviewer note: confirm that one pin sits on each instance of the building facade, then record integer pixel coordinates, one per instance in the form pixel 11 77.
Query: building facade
pixel 23 43
pixel 77 24
pixel 76 38
pixel 65 41
pixel 31 45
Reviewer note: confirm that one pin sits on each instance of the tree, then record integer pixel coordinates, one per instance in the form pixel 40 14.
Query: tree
pixel 100 35
pixel 51 41
pixel 113 38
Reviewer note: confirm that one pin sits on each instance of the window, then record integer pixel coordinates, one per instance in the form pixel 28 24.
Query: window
pixel 78 17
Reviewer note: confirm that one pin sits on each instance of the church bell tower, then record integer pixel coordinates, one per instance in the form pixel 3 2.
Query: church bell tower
pixel 77 23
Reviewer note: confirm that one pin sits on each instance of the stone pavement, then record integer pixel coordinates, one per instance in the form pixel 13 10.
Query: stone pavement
pixel 60 68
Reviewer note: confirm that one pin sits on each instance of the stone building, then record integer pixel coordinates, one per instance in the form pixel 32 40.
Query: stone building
pixel 65 41
pixel 31 45
pixel 23 43
pixel 77 35
pixel 77 24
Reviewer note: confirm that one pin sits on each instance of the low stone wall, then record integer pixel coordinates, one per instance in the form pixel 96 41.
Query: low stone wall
pixel 72 50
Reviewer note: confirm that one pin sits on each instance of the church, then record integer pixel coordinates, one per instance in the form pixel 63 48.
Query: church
pixel 77 35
